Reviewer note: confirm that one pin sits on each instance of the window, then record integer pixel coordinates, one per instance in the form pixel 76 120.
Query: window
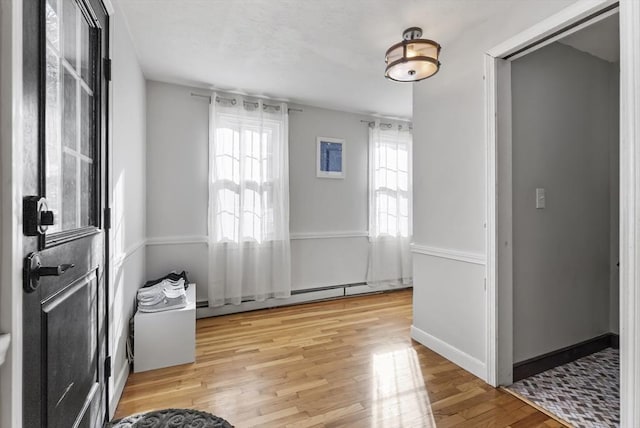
pixel 249 249
pixel 70 92
pixel 389 206
pixel 390 201
pixel 244 174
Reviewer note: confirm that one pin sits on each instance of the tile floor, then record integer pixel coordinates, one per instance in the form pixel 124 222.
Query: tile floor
pixel 585 393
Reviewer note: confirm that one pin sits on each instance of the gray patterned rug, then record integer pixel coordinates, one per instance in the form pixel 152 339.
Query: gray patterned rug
pixel 171 418
pixel 585 393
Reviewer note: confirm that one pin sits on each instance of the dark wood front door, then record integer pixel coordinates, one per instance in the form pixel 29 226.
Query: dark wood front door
pixel 64 182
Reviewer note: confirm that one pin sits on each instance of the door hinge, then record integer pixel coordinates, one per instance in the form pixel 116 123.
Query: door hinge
pixel 107 367
pixel 107 69
pixel 107 218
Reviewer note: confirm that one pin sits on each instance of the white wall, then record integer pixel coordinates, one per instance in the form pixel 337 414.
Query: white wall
pixel 561 101
pixel 465 345
pixel 128 191
pixel 449 178
pixel 10 210
pixel 328 217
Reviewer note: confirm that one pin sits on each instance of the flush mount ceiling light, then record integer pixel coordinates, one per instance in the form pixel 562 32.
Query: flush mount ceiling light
pixel 412 59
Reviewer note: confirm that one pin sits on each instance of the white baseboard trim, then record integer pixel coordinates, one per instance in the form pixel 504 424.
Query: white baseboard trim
pixel 456 356
pixel 364 289
pixel 118 388
pixel 446 253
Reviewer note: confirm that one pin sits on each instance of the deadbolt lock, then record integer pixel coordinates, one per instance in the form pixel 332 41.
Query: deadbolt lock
pixel 36 216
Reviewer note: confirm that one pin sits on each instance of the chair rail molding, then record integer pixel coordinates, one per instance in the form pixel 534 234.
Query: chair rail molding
pixel 203 239
pixel 446 253
pixel 178 240
pixel 329 235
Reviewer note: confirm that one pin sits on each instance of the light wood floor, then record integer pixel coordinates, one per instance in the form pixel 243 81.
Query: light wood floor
pixel 341 363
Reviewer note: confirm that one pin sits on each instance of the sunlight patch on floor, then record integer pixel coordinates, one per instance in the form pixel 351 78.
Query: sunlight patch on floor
pixel 398 392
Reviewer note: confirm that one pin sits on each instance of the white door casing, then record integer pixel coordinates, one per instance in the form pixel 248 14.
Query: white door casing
pixel 499 304
pixel 11 210
pixel 629 213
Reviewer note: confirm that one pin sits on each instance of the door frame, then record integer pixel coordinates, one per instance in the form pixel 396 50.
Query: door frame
pixel 11 210
pixel 499 304
pixel 11 251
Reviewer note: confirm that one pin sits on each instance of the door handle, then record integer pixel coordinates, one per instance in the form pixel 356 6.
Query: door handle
pixel 54 270
pixel 33 270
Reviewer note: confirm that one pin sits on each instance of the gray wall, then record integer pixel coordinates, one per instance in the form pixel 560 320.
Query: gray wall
pixel 562 137
pixel 328 217
pixel 449 182
pixel 128 194
pixel 336 205
pixel 177 194
pixel 328 207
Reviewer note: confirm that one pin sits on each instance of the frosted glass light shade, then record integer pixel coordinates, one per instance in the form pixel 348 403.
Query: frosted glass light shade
pixel 412 60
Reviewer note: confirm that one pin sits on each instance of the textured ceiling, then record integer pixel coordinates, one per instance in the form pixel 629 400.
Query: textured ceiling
pixel 328 53
pixel 601 39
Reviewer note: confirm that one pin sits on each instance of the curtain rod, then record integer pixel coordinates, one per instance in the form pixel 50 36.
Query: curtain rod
pixel 372 122
pixel 386 125
pixel 233 102
pixel 201 96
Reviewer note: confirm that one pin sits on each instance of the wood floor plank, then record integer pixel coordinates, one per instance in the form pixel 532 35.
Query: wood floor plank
pixel 341 363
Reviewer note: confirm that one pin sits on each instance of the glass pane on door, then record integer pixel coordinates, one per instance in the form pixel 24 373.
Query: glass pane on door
pixel 70 137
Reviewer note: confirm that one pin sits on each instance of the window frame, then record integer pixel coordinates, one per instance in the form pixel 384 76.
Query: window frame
pixel 265 128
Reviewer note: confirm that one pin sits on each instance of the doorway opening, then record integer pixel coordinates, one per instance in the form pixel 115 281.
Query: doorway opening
pixel 565 173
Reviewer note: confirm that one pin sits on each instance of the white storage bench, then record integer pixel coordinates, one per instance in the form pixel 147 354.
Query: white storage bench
pixel 163 339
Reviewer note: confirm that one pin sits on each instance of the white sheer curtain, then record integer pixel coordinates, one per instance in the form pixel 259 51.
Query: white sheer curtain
pixel 390 195
pixel 249 251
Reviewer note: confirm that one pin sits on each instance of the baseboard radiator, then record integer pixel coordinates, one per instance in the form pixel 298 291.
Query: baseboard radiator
pixel 307 295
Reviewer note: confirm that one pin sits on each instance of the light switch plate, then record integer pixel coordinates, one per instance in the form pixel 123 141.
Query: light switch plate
pixel 541 200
